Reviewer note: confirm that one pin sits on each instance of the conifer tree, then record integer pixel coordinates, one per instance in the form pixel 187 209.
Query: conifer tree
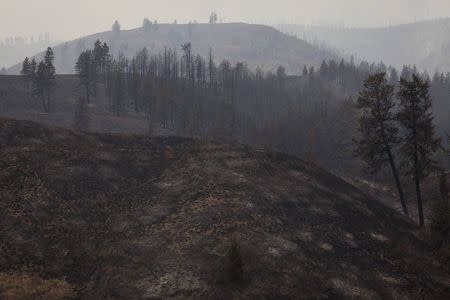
pixel 83 67
pixel 147 25
pixel 379 134
pixel 39 84
pixel 213 18
pixel 418 142
pixel 116 28
pixel 25 66
pixel 49 76
pixel 97 60
pixel 32 69
pixel 105 62
pixel 26 71
pixel 305 71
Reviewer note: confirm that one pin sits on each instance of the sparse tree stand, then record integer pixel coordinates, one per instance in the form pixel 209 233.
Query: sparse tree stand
pixel 379 133
pixel 418 142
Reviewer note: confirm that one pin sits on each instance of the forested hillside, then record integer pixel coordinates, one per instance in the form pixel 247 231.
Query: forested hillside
pixel 183 93
pixel 258 45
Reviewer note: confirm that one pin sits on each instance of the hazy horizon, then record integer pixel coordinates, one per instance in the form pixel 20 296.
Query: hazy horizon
pixel 78 18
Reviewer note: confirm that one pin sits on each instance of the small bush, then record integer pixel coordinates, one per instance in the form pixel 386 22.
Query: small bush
pixel 235 264
pixel 81 115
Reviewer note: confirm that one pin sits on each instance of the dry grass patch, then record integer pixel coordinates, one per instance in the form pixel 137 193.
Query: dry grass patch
pixel 26 286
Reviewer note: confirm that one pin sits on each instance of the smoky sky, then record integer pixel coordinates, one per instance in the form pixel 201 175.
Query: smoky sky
pixel 67 19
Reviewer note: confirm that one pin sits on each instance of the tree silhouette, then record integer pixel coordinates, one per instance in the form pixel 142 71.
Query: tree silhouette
pixel 26 72
pixel 116 28
pixel 418 141
pixel 85 69
pixel 213 18
pixel 379 134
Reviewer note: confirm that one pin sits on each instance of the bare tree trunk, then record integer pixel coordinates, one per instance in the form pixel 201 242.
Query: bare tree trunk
pixel 397 181
pixel 88 99
pixel 48 100
pixel 44 106
pixel 418 191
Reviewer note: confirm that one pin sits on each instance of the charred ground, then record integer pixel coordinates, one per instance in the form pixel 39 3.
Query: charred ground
pixel 121 216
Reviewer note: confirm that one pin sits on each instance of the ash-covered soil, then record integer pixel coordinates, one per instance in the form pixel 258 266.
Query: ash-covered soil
pixel 89 216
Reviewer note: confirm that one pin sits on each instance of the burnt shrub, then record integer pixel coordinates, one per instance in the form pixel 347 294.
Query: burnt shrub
pixel 235 265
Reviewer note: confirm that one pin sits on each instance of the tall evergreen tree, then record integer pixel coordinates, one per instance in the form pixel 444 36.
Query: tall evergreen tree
pixel 25 66
pixel 213 18
pixel 419 141
pixel 39 84
pixel 26 71
pixel 49 76
pixel 105 62
pixel 147 25
pixel 379 134
pixel 116 28
pixel 32 74
pixel 83 67
pixel 305 71
pixel 97 60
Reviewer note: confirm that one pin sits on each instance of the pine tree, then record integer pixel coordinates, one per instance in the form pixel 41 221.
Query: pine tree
pixel 418 142
pixel 97 60
pixel 25 66
pixel 32 74
pixel 116 28
pixel 49 76
pixel 379 133
pixel 213 18
pixel 83 67
pixel 39 83
pixel 305 71
pixel 105 62
pixel 147 25
pixel 26 71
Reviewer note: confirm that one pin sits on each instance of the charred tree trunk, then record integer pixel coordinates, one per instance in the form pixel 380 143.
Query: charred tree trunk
pixel 397 181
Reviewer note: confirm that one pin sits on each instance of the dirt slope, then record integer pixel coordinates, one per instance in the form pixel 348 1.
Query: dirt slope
pixel 130 217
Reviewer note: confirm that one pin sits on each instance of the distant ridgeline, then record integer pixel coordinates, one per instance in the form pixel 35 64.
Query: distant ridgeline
pixel 425 44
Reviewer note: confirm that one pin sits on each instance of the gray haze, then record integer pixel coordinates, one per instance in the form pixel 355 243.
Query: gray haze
pixel 68 19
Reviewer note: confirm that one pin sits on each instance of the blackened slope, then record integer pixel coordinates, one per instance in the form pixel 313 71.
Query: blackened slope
pixel 132 217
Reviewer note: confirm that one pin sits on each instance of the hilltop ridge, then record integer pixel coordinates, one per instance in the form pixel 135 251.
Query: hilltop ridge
pixel 258 45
